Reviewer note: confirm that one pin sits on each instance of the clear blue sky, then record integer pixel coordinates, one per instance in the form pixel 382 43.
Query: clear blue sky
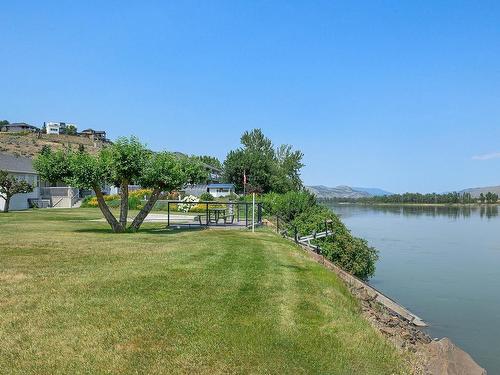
pixel 403 96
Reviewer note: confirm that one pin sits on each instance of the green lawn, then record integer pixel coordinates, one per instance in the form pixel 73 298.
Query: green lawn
pixel 75 298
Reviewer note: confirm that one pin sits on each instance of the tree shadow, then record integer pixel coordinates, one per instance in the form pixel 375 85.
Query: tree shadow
pixel 149 230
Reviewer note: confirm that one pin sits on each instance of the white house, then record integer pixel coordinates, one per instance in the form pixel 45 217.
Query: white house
pixel 21 168
pixel 220 190
pixel 44 194
pixel 56 127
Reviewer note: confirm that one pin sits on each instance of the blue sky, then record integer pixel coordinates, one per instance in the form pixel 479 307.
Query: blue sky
pixel 403 96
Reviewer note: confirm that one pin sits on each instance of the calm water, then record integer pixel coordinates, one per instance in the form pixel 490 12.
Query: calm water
pixel 443 263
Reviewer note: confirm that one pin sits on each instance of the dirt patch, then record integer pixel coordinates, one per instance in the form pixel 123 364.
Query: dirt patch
pixel 12 277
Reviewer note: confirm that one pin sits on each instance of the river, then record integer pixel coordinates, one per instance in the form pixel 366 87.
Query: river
pixel 443 263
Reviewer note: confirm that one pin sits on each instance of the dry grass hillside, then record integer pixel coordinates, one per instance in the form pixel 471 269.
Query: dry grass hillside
pixel 30 144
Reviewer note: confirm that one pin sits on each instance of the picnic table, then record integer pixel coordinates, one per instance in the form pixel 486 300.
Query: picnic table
pixel 217 214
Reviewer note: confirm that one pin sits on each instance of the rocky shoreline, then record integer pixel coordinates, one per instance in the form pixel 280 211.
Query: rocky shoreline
pixel 426 356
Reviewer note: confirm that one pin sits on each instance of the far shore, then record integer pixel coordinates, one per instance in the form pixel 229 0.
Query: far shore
pixel 415 204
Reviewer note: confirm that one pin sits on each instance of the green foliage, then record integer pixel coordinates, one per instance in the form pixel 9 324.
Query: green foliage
pixel 168 171
pixel 267 169
pixel 350 253
pixel 53 166
pixel 70 130
pixel 210 160
pixel 207 197
pixel 287 206
pixel 10 186
pixel 4 122
pixel 134 203
pixel 125 160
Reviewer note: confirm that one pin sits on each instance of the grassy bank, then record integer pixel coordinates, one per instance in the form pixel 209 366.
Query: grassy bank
pixel 76 298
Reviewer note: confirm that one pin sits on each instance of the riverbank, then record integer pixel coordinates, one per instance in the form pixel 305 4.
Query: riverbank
pixel 428 356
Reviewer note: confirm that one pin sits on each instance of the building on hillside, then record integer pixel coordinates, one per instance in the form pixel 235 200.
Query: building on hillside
pixel 94 134
pixel 44 193
pixel 19 127
pixel 57 127
pixel 21 168
pixel 220 190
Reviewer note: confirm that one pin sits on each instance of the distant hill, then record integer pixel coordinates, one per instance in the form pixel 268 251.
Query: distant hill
pixel 344 191
pixel 475 192
pixel 372 191
pixel 30 144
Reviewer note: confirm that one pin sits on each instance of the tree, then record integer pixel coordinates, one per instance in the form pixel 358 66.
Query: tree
pixel 10 186
pixel 265 168
pixel 70 130
pixel 482 197
pixel 166 171
pixel 4 122
pixel 210 160
pixel 126 161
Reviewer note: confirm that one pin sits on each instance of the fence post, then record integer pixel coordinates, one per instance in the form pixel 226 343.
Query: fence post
pixel 296 234
pixel 168 213
pixel 246 214
pixel 277 224
pixel 207 216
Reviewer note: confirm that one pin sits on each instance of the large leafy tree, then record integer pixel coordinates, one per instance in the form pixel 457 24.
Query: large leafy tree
pixel 10 186
pixel 165 172
pixel 266 168
pixel 126 161
pixel 210 160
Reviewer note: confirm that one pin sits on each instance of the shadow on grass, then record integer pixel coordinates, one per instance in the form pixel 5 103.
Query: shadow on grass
pixel 155 230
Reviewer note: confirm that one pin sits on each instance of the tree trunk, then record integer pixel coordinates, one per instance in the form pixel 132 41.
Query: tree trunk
pixel 110 218
pixel 7 203
pixel 124 203
pixel 139 219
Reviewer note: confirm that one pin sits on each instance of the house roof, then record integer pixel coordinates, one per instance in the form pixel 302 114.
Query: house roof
pixel 12 163
pixel 220 186
pixel 92 131
pixel 17 124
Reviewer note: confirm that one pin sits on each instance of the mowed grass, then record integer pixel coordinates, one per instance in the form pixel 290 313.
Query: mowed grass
pixel 76 298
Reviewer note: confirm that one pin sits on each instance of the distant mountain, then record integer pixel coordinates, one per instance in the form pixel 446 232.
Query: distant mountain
pixel 478 190
pixel 344 191
pixel 372 191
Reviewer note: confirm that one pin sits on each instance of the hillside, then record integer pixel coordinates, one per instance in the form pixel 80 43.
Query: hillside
pixel 342 191
pixel 30 144
pixel 475 192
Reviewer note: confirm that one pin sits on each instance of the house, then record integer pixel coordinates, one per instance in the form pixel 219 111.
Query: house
pixel 220 190
pixel 44 194
pixel 57 127
pixel 21 168
pixel 18 127
pixel 94 134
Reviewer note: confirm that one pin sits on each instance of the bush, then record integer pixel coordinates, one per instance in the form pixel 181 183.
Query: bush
pixel 207 197
pixel 350 253
pixel 134 203
pixel 289 205
pixel 141 193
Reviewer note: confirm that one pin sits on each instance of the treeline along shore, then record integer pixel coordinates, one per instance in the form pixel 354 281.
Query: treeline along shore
pixel 454 198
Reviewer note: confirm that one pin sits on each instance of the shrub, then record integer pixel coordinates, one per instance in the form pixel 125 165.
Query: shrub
pixel 89 202
pixel 207 197
pixel 134 203
pixel 141 193
pixel 350 253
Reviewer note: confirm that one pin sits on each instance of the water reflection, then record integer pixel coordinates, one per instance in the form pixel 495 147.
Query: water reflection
pixel 487 211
